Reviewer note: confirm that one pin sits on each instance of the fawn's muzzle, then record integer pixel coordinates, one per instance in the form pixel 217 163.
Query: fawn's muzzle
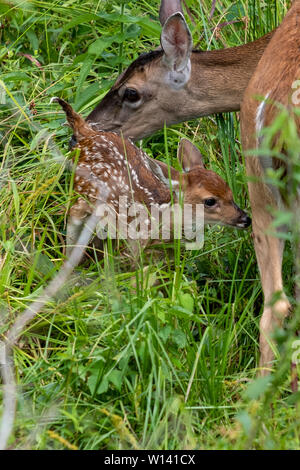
pixel 244 221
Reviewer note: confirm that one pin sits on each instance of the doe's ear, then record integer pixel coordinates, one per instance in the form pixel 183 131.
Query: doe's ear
pixel 168 8
pixel 176 42
pixel 188 155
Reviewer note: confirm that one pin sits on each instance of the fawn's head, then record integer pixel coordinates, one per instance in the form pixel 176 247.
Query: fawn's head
pixel 205 187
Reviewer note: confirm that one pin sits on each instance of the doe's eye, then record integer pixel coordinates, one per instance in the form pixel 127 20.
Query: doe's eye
pixel 210 202
pixel 131 95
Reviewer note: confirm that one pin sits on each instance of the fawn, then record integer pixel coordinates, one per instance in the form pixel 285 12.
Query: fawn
pixel 110 167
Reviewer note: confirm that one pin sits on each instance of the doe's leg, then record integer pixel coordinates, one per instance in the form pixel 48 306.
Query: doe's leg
pixel 269 252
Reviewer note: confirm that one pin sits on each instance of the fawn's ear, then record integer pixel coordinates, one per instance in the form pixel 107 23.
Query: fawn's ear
pixel 188 155
pixel 176 42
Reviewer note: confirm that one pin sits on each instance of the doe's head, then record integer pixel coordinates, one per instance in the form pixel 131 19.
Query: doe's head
pixel 153 90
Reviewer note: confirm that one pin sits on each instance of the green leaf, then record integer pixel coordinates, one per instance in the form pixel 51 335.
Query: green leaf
pixel 96 387
pixel 56 88
pixel 150 28
pixel 16 76
pixel 282 218
pixel 92 383
pixel 86 18
pixel 101 44
pixel 165 332
pixel 44 265
pixel 103 387
pixel 293 399
pixel 235 12
pixel 37 138
pixel 245 420
pixel 179 338
pixel 161 314
pixel 85 69
pixel 98 46
pixel 258 387
pixel 115 377
pixel 87 93
pixel 187 302
pixel 34 42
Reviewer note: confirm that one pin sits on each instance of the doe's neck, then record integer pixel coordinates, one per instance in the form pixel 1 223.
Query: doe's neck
pixel 220 77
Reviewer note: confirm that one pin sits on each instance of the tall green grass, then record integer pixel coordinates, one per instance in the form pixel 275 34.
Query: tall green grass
pixel 157 358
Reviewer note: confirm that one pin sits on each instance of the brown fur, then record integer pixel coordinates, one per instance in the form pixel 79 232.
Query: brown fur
pixel 99 161
pixel 217 84
pixel 212 183
pixel 275 74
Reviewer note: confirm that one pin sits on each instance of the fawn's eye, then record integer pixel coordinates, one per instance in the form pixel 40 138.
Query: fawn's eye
pixel 131 95
pixel 210 202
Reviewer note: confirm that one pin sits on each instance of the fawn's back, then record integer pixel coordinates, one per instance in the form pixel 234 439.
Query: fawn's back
pixel 122 169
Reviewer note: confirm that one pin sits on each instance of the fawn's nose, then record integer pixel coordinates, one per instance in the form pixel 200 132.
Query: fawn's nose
pixel 244 221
